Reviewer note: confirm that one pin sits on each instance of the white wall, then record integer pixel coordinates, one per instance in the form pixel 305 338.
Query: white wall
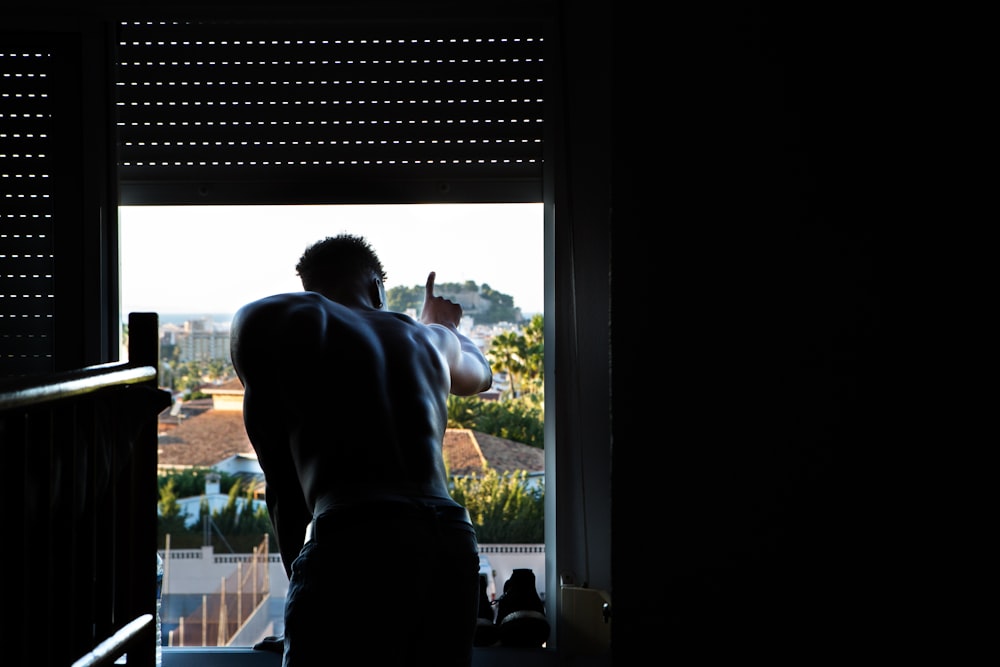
pixel 201 571
pixel 190 571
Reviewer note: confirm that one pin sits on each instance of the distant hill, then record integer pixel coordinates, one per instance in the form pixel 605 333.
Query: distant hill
pixel 480 302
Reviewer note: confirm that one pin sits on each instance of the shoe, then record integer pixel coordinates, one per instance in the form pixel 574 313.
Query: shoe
pixel 520 613
pixel 486 629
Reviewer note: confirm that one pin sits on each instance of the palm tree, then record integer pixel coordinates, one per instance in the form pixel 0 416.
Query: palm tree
pixel 507 352
pixel 534 348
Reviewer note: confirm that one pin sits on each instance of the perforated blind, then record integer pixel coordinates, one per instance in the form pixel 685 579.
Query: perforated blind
pixel 28 104
pixel 334 112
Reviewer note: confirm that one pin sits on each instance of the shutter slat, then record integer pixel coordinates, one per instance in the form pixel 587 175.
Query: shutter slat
pixel 336 55
pixel 328 175
pixel 411 117
pixel 261 91
pixel 31 201
pixel 26 283
pixel 32 309
pixel 513 130
pixel 28 264
pixel 351 37
pixel 326 155
pixel 18 226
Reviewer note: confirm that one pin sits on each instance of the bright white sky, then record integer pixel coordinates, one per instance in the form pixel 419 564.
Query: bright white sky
pixel 214 259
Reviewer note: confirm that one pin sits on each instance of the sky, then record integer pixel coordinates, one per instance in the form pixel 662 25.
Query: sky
pixel 214 259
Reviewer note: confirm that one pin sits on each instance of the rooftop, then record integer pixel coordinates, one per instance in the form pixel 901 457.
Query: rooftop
pixel 201 436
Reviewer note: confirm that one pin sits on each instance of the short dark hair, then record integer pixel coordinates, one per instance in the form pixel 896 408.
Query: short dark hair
pixel 335 259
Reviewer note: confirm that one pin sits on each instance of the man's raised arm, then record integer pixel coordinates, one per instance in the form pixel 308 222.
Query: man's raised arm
pixel 470 371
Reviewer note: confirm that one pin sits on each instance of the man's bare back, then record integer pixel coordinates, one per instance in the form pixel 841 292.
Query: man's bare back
pixel 370 406
pixel 345 404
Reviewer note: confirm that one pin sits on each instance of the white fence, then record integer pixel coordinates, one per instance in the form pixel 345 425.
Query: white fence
pixel 190 573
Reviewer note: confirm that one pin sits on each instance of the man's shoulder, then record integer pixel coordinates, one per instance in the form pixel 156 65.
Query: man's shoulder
pixel 278 305
pixel 285 299
pixel 272 315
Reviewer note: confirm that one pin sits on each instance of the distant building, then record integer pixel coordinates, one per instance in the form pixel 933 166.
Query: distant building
pixel 197 340
pixel 471 301
pixel 227 395
pixel 190 507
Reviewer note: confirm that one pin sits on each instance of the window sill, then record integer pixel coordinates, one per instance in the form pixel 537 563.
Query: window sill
pixel 246 657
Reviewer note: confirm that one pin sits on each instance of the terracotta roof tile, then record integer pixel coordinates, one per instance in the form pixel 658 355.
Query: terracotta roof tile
pixel 229 386
pixel 202 437
pixel 461 452
pixel 507 455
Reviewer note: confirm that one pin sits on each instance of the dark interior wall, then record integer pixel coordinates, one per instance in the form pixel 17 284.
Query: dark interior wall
pixel 745 335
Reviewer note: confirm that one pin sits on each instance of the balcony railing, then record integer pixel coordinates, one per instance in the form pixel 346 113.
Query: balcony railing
pixel 80 447
pixel 221 615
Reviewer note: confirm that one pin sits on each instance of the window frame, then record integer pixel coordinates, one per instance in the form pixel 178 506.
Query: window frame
pixel 484 192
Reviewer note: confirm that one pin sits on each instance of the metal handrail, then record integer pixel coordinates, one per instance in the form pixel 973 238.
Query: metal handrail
pixel 108 651
pixel 26 391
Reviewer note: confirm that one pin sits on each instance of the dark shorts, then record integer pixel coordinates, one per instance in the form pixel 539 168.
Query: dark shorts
pixel 394 582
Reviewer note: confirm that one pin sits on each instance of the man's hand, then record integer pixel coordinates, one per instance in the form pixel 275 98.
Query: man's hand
pixel 274 644
pixel 438 310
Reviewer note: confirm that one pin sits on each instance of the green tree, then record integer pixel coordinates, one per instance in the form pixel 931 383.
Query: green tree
pixel 519 419
pixel 227 519
pixel 187 377
pixel 171 521
pixel 522 357
pixel 502 308
pixel 507 354
pixel 217 369
pixel 239 525
pixel 242 532
pixel 533 379
pixel 505 508
pixel 399 299
pixel 191 482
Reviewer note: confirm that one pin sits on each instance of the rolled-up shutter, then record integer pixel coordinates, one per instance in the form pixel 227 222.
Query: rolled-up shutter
pixel 330 111
pixel 56 198
pixel 30 101
pixel 366 110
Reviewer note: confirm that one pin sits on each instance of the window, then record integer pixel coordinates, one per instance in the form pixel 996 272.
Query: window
pixel 195 266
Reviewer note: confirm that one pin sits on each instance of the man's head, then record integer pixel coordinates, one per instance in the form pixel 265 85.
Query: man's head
pixel 342 268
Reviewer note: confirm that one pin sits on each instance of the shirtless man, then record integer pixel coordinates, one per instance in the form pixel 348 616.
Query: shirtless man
pixel 345 404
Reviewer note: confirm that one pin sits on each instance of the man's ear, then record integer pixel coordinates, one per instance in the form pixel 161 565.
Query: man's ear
pixel 377 292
